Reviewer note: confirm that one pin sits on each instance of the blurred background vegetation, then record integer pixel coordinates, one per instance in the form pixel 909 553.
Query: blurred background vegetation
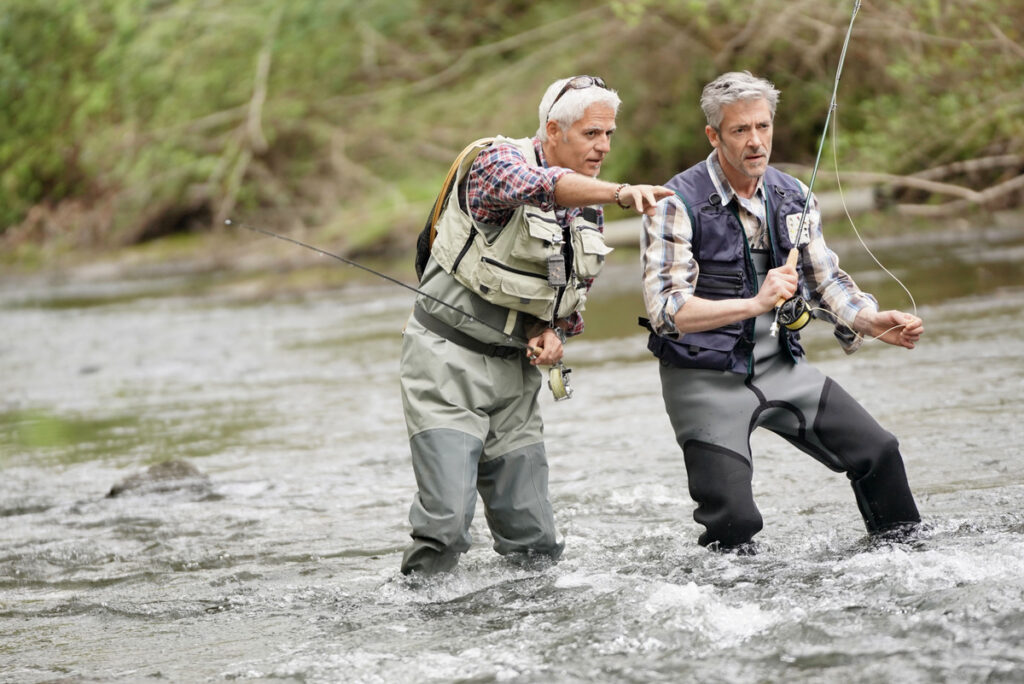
pixel 124 121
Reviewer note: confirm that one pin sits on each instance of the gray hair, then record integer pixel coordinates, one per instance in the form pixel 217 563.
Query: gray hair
pixel 733 87
pixel 570 107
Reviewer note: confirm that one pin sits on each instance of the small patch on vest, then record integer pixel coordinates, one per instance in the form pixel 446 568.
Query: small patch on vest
pixel 793 226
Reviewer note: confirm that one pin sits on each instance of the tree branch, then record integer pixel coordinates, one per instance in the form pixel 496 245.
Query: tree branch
pixel 252 141
pixel 465 60
pixel 957 206
pixel 915 182
pixel 1005 40
pixel 971 166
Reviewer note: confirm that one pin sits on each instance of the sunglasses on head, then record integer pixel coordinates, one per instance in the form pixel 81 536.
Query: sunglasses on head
pixel 576 83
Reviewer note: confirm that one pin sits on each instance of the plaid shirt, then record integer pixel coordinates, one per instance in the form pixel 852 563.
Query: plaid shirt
pixel 501 179
pixel 671 272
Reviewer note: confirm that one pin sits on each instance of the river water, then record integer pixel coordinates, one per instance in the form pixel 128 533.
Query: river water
pixel 282 565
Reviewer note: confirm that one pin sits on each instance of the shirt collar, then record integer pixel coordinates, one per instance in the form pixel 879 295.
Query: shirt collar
pixel 721 183
pixel 538 147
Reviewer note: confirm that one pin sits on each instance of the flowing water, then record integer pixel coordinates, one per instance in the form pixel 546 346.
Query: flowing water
pixel 280 562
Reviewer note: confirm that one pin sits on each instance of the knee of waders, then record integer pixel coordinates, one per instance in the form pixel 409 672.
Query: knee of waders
pixel 872 459
pixel 852 434
pixel 719 480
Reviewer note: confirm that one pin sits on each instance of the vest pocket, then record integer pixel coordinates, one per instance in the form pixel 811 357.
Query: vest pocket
pixel 589 252
pixel 538 238
pixel 515 288
pixel 710 350
pixel 718 284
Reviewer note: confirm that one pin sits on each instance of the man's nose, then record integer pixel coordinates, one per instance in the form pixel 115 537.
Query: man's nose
pixel 604 144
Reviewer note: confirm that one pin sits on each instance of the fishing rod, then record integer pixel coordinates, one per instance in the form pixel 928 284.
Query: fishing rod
pixel 794 313
pixel 558 376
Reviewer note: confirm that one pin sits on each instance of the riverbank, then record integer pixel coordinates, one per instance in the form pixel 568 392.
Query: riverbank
pixel 253 264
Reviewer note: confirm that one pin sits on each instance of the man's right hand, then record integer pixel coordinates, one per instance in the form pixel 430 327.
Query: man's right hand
pixel 779 284
pixel 642 198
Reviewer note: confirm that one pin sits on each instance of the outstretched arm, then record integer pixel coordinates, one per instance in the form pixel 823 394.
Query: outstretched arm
pixel 579 190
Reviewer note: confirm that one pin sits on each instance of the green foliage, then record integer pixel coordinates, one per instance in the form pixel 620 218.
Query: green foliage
pixel 154 116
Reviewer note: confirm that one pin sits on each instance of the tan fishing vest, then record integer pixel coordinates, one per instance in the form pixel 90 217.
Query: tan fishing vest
pixel 521 266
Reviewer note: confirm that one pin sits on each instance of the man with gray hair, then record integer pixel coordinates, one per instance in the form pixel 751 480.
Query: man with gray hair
pixel 719 256
pixel 518 243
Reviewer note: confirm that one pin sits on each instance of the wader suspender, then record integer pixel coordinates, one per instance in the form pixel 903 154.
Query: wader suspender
pixel 446 188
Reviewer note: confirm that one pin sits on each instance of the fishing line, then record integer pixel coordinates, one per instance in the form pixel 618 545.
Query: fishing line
pixel 802 227
pixel 828 119
pixel 801 230
pixel 842 197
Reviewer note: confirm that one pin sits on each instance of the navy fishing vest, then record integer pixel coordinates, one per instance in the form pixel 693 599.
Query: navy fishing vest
pixel 726 270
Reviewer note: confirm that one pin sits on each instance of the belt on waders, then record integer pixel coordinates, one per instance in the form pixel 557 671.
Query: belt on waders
pixel 460 338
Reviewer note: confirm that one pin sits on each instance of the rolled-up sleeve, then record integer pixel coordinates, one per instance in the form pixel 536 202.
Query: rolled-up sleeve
pixel 669 269
pixel 831 288
pixel 502 178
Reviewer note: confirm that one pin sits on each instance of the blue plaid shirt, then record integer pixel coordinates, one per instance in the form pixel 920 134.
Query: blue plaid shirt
pixel 670 272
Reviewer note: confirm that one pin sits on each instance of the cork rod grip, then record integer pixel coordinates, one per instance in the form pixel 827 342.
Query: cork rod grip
pixel 794 254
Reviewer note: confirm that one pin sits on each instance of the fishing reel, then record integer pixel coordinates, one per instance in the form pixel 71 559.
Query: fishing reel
pixel 558 381
pixel 794 313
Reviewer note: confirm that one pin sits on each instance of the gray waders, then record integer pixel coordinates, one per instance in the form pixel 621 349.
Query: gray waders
pixel 713 414
pixel 474 427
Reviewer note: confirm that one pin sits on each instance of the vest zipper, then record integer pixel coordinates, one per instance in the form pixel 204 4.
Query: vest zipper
pixel 752 275
pixel 774 251
pixel 504 267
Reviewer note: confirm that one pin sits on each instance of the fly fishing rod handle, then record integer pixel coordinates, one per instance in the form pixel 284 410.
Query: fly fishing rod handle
pixel 794 254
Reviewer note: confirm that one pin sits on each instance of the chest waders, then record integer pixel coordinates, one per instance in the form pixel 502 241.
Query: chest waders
pixel 470 403
pixel 719 388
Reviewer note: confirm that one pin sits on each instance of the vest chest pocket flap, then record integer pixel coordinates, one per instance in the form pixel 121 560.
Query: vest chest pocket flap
pixel 540 237
pixel 529 293
pixel 589 252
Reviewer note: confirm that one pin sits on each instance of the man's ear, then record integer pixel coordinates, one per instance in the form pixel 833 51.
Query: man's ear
pixel 554 131
pixel 712 136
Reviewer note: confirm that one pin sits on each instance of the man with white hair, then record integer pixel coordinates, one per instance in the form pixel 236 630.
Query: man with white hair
pixel 518 242
pixel 718 257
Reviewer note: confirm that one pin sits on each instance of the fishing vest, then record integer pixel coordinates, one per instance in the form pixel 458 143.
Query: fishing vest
pixel 722 253
pixel 531 264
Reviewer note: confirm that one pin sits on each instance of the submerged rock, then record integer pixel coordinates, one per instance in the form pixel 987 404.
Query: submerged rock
pixel 167 476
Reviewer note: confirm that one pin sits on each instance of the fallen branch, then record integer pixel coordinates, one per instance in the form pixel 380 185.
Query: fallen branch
pixel 915 182
pixel 972 166
pixel 958 206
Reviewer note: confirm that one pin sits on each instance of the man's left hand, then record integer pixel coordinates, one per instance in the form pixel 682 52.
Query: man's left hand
pixel 549 346
pixel 892 327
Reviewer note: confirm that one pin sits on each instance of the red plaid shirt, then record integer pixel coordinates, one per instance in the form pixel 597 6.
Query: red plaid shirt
pixel 502 179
